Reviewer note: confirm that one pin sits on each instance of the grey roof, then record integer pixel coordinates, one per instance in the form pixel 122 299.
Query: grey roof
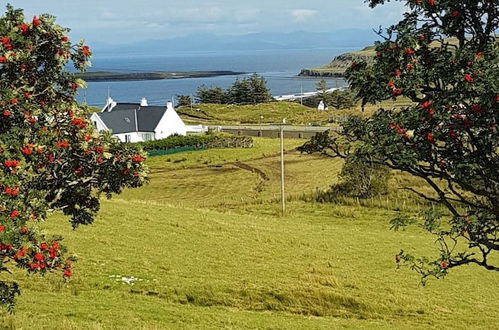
pixel 125 106
pixel 121 119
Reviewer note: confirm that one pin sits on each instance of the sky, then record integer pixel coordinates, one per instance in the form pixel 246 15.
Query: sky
pixel 125 21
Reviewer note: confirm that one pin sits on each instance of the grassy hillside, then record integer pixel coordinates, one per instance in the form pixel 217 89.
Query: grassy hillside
pixel 251 114
pixel 208 251
pixel 226 178
pixel 272 112
pixel 296 114
pixel 338 66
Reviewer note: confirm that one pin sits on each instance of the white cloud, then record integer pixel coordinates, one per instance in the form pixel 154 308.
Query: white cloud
pixel 302 15
pixel 126 20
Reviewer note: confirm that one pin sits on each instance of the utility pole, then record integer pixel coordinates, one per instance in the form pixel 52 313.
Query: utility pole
pixel 281 136
pixel 283 197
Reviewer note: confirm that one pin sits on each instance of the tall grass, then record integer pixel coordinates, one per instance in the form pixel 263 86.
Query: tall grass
pixel 209 251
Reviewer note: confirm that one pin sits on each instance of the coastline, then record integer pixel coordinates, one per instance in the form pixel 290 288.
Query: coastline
pixel 320 73
pixel 123 76
pixel 337 67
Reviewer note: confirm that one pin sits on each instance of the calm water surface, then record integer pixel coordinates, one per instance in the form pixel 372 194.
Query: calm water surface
pixel 279 68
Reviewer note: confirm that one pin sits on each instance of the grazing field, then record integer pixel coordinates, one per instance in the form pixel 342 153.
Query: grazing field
pixel 253 114
pixel 274 112
pixel 202 247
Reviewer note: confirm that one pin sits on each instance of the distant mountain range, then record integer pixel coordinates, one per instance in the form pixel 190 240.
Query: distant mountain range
pixel 252 41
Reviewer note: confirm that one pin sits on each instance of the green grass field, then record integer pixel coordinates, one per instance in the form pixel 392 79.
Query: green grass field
pixel 221 114
pixel 272 112
pixel 208 250
pixel 296 114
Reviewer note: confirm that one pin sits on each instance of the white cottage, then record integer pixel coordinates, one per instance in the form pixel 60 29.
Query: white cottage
pixel 133 122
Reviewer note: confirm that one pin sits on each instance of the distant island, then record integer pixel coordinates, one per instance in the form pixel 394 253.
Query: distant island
pixel 123 76
pixel 338 66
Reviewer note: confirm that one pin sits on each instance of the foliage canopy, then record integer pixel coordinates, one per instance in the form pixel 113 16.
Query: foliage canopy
pixel 51 157
pixel 249 90
pixel 444 57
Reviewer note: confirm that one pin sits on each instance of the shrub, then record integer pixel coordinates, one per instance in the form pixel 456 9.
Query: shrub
pixel 338 99
pixel 360 178
pixel 207 141
pixel 249 90
pixel 184 100
pixel 215 95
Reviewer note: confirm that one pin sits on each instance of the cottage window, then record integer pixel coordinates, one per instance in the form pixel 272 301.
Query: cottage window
pixel 128 138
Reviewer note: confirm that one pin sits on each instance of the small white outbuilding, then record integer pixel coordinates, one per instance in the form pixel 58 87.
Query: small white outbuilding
pixel 134 122
pixel 322 106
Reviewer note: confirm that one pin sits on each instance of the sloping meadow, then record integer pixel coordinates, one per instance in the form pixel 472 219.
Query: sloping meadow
pixel 143 260
pixel 207 249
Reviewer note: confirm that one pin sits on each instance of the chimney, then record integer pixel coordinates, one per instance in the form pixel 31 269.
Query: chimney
pixel 143 102
pixel 169 105
pixel 110 104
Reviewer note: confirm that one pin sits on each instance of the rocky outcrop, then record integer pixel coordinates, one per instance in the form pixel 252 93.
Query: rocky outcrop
pixel 339 64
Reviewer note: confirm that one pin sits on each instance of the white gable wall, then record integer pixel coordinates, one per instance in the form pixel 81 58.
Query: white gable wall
pixel 170 124
pixel 99 124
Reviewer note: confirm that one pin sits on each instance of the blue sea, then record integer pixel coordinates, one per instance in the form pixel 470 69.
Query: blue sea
pixel 279 67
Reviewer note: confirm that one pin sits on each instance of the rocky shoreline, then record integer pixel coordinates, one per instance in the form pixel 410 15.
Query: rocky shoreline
pixel 337 67
pixel 123 76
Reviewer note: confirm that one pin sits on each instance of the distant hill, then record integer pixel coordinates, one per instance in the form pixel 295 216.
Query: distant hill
pixel 340 63
pixel 252 41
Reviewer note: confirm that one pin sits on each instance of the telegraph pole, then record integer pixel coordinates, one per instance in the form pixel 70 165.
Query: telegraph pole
pixel 281 136
pixel 283 197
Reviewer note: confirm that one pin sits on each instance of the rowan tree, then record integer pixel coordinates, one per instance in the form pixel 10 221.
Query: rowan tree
pixel 51 157
pixel 443 57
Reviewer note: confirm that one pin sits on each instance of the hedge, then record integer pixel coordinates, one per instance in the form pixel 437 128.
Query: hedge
pixel 198 142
